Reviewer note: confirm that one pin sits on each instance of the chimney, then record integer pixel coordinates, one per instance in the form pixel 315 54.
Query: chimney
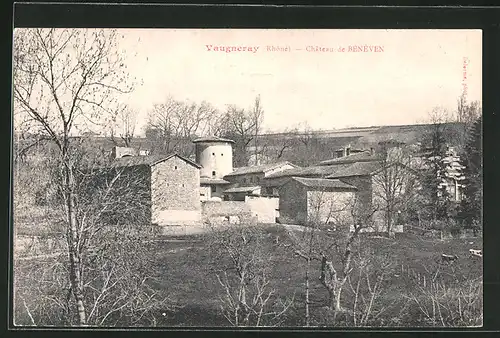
pixel 348 150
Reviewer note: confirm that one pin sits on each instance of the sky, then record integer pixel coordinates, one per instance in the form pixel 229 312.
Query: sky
pixel 382 77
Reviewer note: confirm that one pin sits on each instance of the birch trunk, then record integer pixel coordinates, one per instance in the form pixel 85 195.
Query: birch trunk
pixel 74 250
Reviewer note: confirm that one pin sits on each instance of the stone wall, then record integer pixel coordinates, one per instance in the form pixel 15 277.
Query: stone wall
pixel 225 211
pixel 119 152
pixel 293 203
pixel 364 194
pixel 264 208
pixel 330 206
pixel 175 192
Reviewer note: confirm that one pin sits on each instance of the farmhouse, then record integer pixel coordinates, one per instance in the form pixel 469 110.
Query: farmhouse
pixel 304 200
pixel 170 186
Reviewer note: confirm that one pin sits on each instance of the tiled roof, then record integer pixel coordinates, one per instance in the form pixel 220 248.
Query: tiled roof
pixel 150 160
pixel 364 156
pixel 357 169
pixel 321 183
pixel 208 180
pixel 242 189
pixel 257 168
pixel 318 170
pixel 212 139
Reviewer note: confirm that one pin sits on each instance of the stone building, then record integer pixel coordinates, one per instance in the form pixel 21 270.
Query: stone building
pixel 249 179
pixel 215 157
pixel 372 181
pixel 171 187
pixel 305 200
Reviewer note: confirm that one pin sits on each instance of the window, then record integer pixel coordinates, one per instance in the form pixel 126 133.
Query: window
pixel 183 185
pixel 221 154
pixel 213 189
pixel 213 154
pixel 175 167
pixel 213 173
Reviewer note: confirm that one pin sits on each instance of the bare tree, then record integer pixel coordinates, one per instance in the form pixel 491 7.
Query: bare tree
pixel 124 127
pixel 65 82
pixel 243 126
pixel 436 141
pixel 116 268
pixel 173 124
pixel 242 269
pixel 394 186
pixel 276 147
pixel 331 238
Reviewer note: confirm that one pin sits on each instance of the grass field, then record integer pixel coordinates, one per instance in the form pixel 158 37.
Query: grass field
pixel 185 276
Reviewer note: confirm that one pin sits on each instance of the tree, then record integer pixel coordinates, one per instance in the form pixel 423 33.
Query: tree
pixel 65 82
pixel 435 142
pixel 466 115
pixel 471 204
pixel 124 125
pixel 241 267
pixel 395 183
pixel 173 124
pixel 331 238
pixel 243 127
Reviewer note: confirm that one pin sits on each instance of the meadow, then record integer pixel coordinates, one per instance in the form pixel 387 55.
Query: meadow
pixel 184 273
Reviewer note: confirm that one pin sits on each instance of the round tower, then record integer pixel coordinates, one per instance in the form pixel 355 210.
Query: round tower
pixel 215 155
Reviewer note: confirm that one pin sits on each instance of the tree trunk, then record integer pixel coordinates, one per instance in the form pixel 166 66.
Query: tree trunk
pixel 74 250
pixel 389 222
pixel 307 318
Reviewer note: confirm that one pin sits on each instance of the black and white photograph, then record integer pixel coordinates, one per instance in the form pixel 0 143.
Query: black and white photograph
pixel 247 178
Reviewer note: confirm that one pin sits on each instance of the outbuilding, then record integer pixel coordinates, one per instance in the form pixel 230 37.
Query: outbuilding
pixel 312 200
pixel 170 187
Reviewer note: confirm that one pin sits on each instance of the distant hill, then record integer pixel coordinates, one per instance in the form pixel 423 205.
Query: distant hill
pixel 301 148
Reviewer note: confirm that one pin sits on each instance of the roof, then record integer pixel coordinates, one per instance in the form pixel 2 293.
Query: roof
pixel 364 156
pixel 317 170
pixel 321 183
pixel 242 189
pixel 212 139
pixel 357 169
pixel 208 180
pixel 257 168
pixel 149 160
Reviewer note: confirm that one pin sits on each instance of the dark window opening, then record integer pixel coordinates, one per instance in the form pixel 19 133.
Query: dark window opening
pixel 213 188
pixel 183 185
pixel 221 154
pixel 213 154
pixel 213 173
pixel 175 167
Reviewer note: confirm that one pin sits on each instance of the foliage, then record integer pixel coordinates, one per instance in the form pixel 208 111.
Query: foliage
pixel 472 160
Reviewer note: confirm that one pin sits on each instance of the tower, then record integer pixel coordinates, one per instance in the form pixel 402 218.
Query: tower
pixel 215 155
